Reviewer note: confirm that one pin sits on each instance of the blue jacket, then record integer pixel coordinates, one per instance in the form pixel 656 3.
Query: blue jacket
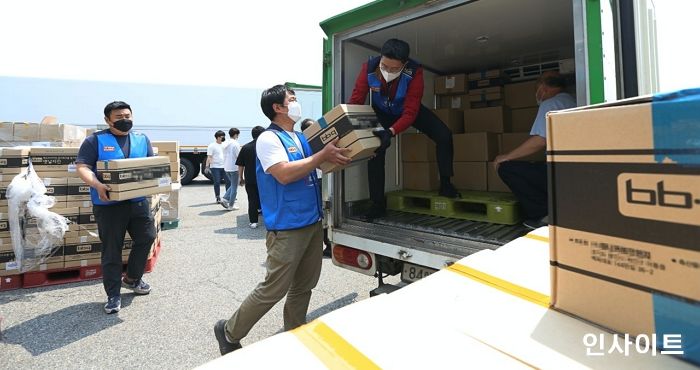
pixel 108 148
pixel 383 102
pixel 291 206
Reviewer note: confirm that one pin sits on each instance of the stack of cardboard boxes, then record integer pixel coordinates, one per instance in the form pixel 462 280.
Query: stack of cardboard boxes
pixel 170 206
pixel 487 117
pixel 46 134
pixel 420 171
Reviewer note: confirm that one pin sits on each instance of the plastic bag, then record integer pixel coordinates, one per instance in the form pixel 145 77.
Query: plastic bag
pixel 35 231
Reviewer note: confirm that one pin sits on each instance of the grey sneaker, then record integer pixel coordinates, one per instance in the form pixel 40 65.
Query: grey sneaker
pixel 114 304
pixel 224 204
pixel 139 286
pixel 224 345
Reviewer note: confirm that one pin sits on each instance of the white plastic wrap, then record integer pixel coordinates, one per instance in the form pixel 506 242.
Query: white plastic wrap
pixel 35 230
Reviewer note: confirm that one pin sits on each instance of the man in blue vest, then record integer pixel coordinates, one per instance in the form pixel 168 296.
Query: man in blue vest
pixel 291 205
pixel 115 218
pixel 395 86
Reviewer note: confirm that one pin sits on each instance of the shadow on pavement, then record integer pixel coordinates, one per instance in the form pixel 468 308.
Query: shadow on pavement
pixel 58 329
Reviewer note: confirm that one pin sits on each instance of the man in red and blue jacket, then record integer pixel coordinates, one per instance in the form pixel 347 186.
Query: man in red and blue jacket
pixel 395 87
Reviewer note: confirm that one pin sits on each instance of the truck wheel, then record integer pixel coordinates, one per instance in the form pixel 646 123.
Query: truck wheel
pixel 186 171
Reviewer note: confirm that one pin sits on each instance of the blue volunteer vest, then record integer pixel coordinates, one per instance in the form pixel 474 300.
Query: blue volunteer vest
pixel 108 148
pixel 291 206
pixel 389 106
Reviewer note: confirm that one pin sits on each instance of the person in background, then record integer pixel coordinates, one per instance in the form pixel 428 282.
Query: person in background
pixel 528 180
pixel 395 85
pixel 215 162
pixel 231 151
pixel 246 176
pixel 291 203
pixel 327 249
pixel 115 218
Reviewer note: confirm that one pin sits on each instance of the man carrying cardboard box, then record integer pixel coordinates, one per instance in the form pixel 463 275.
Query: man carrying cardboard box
pixel 528 180
pixel 115 218
pixel 395 85
pixel 291 204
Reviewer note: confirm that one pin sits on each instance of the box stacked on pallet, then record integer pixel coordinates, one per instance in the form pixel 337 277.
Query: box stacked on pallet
pixel 419 162
pixel 171 203
pixel 12 162
pixel 27 133
pixel 485 88
pixel 156 212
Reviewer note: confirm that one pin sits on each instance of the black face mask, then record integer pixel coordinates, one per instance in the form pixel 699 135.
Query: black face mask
pixel 124 125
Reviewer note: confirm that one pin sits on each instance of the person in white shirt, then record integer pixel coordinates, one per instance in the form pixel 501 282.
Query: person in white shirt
pixel 528 180
pixel 231 151
pixel 215 162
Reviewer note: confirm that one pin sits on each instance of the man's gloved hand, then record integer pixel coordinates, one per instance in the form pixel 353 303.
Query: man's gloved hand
pixel 385 138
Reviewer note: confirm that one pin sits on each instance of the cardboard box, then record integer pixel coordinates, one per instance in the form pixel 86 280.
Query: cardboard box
pixel 23 131
pixel 451 84
pixel 521 94
pixel 626 222
pixel 476 146
pixel 452 118
pixel 417 148
pixel 73 252
pixel 170 206
pixel 127 175
pixel 480 75
pixel 470 176
pixel 486 94
pixel 486 82
pixel 362 144
pixel 166 146
pixel 136 193
pixel 493 181
pixel 6 133
pixel 453 101
pixel 420 176
pixel 522 119
pixel 83 262
pixel 61 132
pixel 131 163
pixel 14 157
pixel 512 140
pixel 492 119
pixel 338 122
pixel 46 266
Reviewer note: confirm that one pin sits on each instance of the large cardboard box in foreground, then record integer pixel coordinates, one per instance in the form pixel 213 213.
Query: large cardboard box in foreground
pixel 338 122
pixel 625 208
pixel 362 144
pixel 135 177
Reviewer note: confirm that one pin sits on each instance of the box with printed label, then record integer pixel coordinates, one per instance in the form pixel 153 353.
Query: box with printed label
pixel 126 175
pixel 338 122
pixel 15 157
pixel 624 187
pixel 74 252
pixel 417 148
pixel 452 84
pixel 362 145
pixel 141 192
pixel 453 101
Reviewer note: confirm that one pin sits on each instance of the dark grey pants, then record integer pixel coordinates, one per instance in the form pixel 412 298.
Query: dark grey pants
pixel 113 221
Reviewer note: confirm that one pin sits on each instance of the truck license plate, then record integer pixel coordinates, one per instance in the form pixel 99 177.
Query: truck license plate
pixel 413 272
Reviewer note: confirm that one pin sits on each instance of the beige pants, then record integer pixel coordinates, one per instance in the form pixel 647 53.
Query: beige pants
pixel 293 268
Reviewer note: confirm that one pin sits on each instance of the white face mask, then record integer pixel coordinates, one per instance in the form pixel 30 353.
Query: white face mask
pixel 388 77
pixel 294 111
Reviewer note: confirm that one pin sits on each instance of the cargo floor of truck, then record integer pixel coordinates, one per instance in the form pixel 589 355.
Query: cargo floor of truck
pixel 448 236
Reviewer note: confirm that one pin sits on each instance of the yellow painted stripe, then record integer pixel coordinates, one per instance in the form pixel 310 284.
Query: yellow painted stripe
pixel 538 238
pixel 334 351
pixel 503 285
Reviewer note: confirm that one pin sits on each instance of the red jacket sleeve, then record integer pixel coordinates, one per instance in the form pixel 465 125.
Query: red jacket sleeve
pixel 359 92
pixel 411 103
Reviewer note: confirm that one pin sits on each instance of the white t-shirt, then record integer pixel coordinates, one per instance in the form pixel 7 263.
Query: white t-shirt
pixel 270 150
pixel 231 150
pixel 216 151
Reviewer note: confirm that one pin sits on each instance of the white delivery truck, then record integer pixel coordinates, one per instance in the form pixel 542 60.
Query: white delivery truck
pixel 605 48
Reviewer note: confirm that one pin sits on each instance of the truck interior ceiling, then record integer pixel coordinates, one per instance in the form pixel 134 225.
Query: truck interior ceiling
pixel 521 38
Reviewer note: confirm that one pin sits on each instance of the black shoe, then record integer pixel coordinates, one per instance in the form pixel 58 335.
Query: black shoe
pixel 327 252
pixel 224 345
pixel 535 224
pixel 449 191
pixel 375 212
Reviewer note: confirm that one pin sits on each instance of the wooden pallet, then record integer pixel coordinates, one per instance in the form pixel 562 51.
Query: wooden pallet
pixel 10 282
pixel 61 276
pixel 497 208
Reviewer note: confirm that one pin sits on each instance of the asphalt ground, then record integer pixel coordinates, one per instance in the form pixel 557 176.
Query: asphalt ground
pixel 207 266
